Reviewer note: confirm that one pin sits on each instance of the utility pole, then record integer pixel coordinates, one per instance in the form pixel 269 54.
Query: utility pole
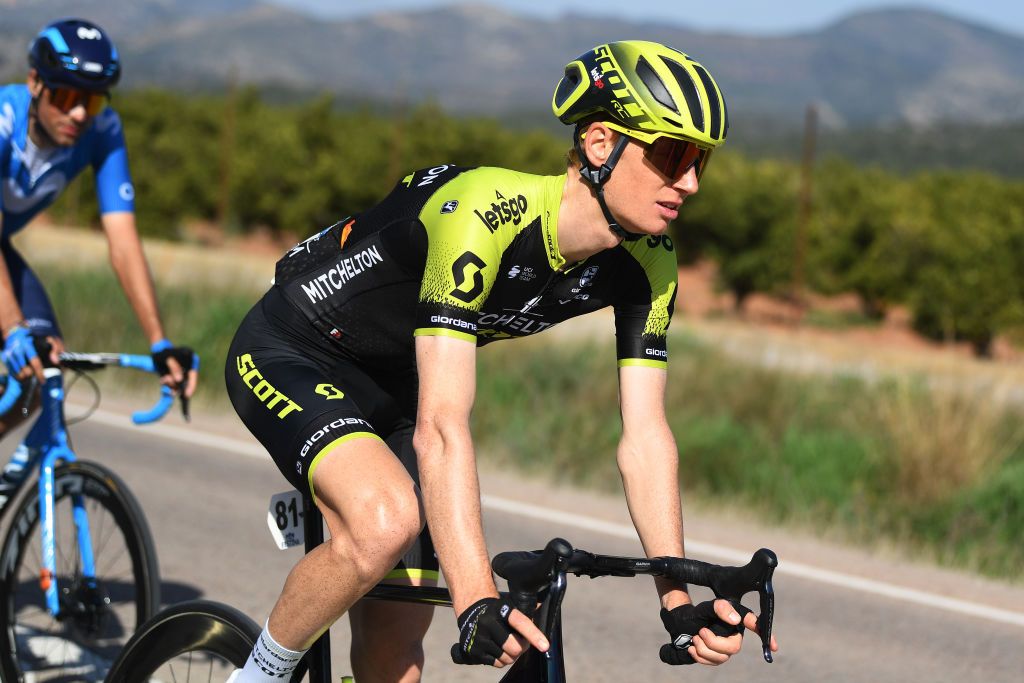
pixel 227 150
pixel 805 201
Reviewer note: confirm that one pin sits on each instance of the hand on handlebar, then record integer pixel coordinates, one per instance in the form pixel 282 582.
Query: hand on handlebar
pixel 19 354
pixel 708 633
pixel 178 367
pixel 492 631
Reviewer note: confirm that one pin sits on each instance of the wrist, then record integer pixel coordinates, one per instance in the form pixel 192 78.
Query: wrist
pixel 675 597
pixel 9 329
pixel 160 345
pixel 464 601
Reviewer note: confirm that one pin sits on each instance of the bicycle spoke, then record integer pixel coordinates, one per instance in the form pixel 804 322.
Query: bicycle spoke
pixel 97 618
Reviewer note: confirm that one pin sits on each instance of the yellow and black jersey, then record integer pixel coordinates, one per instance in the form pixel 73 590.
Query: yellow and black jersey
pixel 472 254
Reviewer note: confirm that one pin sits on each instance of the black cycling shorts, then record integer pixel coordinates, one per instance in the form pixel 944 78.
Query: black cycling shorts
pixel 297 398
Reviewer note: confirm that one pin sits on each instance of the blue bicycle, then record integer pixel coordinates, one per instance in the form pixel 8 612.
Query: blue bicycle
pixel 78 566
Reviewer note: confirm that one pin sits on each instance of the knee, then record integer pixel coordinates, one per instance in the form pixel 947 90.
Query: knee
pixel 385 524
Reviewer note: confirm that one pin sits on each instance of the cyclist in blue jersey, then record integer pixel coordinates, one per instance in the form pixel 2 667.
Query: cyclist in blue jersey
pixel 51 128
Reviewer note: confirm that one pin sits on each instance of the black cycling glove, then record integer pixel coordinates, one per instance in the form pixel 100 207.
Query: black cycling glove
pixel 686 621
pixel 163 350
pixel 483 630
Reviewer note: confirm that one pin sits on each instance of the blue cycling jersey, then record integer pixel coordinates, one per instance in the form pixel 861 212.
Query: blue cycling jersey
pixel 31 179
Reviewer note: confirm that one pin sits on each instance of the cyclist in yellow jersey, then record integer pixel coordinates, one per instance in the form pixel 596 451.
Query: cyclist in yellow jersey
pixel 357 369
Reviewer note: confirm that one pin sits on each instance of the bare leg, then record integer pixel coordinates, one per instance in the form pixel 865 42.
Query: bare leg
pixel 387 641
pixel 373 513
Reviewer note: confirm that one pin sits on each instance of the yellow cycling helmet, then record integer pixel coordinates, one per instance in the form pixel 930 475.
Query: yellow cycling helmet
pixel 647 89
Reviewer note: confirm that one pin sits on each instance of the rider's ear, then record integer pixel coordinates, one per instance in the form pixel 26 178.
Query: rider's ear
pixel 598 142
pixel 35 84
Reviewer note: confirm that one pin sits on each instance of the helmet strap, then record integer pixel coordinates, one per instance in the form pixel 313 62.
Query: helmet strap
pixel 596 178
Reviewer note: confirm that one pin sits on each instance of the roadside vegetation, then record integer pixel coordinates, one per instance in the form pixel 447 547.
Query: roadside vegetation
pixel 935 467
pixel 939 470
pixel 949 246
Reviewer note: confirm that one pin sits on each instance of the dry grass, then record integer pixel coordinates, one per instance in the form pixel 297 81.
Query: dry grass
pixel 945 438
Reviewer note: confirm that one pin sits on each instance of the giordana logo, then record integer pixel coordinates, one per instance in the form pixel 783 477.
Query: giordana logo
pixel 449 207
pixel 127 191
pixel 333 427
pixel 503 211
pixel 453 322
pixel 657 353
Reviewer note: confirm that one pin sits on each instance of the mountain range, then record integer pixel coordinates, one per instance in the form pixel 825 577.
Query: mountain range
pixel 879 67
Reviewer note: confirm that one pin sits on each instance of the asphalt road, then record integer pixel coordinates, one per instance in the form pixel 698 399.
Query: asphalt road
pixel 207 510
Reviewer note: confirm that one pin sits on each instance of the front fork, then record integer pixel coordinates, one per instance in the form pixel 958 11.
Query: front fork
pixel 50 435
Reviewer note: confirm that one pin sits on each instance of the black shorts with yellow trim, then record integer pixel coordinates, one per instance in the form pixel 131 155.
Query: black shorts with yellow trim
pixel 299 402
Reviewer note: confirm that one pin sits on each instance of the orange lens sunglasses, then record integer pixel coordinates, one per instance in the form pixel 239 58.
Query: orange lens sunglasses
pixel 67 99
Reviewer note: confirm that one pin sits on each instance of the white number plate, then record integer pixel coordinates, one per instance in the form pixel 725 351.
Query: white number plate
pixel 285 519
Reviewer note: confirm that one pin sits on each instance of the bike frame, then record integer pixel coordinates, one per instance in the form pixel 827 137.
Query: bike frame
pixel 49 436
pixel 48 446
pixel 532 667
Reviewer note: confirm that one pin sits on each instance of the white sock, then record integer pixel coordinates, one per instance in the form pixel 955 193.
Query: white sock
pixel 269 662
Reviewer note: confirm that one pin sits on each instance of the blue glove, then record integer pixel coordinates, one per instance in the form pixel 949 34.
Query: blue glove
pixel 18 349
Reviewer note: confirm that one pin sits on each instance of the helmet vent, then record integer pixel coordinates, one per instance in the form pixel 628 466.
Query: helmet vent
pixel 689 88
pixel 654 84
pixel 573 76
pixel 714 103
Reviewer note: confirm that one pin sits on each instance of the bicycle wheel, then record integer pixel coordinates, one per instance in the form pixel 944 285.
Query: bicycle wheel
pixel 96 618
pixel 198 640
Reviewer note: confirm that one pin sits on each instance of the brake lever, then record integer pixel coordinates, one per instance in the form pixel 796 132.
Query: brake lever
pixel 26 400
pixel 756 575
pixel 184 403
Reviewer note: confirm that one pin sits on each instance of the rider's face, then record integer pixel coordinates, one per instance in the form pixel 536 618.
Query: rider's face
pixel 63 127
pixel 643 199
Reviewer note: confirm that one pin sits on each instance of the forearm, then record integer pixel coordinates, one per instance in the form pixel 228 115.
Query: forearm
pixel 10 312
pixel 451 498
pixel 650 474
pixel 129 264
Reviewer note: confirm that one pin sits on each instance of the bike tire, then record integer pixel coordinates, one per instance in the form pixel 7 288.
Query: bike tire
pixel 194 627
pixel 127 573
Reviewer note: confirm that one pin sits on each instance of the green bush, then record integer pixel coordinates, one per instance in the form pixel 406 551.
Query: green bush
pixel 948 245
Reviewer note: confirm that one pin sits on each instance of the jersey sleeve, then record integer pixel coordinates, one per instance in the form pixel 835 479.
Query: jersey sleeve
pixel 7 122
pixel 114 188
pixel 464 252
pixel 644 312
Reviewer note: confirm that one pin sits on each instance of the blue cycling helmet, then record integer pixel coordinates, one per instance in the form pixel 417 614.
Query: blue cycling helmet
pixel 75 53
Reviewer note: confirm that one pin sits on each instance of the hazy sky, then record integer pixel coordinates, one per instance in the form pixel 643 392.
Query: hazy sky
pixel 744 16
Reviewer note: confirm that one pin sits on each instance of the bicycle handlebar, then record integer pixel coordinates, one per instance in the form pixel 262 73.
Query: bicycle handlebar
pixel 530 573
pixel 98 361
